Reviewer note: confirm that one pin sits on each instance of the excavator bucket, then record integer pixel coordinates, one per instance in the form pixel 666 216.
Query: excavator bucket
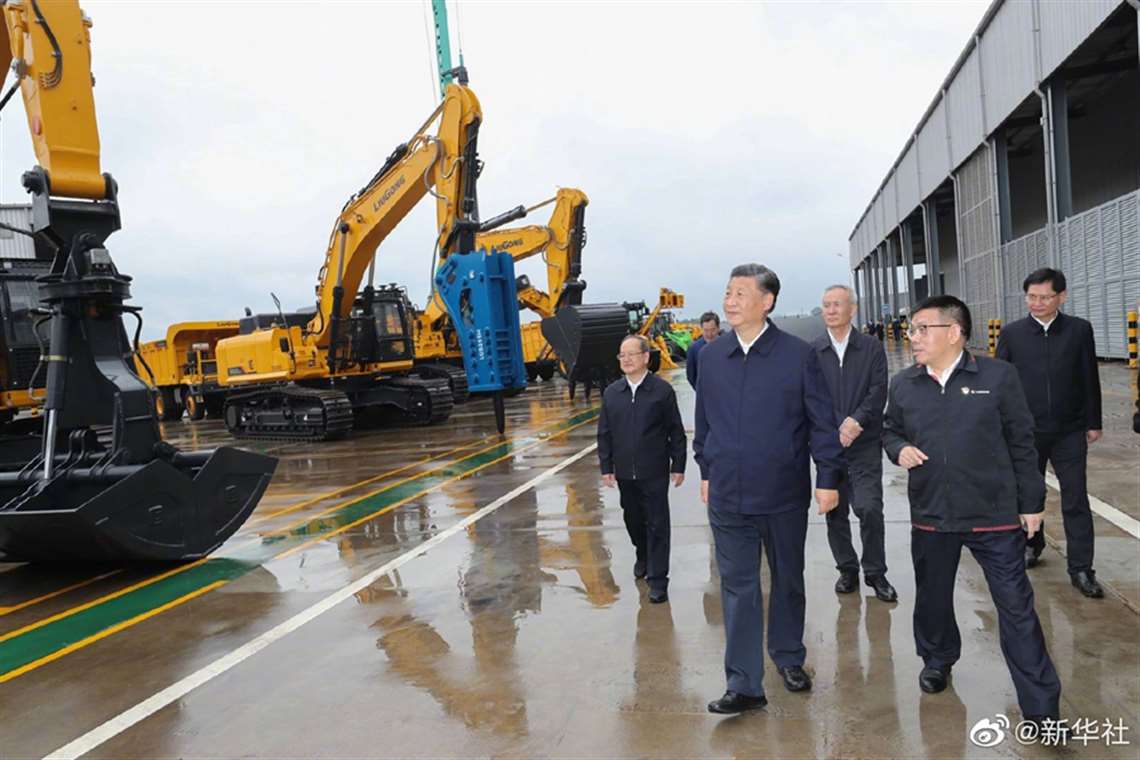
pixel 178 508
pixel 586 339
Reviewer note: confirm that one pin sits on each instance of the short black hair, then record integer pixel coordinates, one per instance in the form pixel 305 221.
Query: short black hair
pixel 1055 277
pixel 765 279
pixel 710 316
pixel 951 307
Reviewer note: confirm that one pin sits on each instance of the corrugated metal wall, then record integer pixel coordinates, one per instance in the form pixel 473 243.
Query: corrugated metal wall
pixel 1100 256
pixel 977 242
pixel 1020 257
pixel 993 80
pixel 13 245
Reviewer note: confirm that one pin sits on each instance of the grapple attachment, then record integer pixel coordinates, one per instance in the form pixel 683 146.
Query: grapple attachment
pixel 99 483
pixel 586 339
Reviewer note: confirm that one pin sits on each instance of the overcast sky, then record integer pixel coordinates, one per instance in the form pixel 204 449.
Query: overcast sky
pixel 705 134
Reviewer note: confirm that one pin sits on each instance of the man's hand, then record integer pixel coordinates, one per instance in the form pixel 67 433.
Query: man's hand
pixel 911 457
pixel 1092 436
pixel 609 481
pixel 1032 523
pixel 678 478
pixel 705 491
pixel 850 428
pixel 828 499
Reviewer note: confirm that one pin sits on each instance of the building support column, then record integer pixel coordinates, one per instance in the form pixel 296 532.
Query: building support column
pixel 1062 168
pixel 892 272
pixel 907 245
pixel 1004 202
pixel 933 260
pixel 858 298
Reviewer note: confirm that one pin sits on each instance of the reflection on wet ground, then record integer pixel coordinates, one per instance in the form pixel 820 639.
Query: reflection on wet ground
pixel 521 634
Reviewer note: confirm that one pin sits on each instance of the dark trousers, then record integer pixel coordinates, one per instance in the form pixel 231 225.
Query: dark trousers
pixel 739 539
pixel 645 507
pixel 861 491
pixel 1069 454
pixel 1001 556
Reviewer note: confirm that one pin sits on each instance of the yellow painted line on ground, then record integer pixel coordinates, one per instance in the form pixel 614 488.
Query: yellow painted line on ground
pixel 100 600
pixel 257 519
pixel 398 483
pixel 183 568
pixel 413 497
pixel 24 605
pixel 108 632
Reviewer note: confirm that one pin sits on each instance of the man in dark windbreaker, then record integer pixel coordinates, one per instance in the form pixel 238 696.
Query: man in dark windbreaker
pixel 960 426
pixel 762 405
pixel 855 368
pixel 641 448
pixel 1055 355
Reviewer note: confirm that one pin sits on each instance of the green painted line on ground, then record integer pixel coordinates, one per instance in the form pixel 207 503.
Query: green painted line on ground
pixel 48 639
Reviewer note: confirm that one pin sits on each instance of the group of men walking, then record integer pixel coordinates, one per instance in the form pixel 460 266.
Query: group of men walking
pixel 974 434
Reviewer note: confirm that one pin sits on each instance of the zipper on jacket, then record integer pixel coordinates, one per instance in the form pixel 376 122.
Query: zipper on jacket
pixel 1048 375
pixel 739 427
pixel 633 411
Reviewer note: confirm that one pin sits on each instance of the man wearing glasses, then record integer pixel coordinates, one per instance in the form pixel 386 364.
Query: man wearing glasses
pixel 960 426
pixel 1055 354
pixel 641 448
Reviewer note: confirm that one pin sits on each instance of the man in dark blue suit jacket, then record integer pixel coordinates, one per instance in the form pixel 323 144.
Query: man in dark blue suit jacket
pixel 762 405
pixel 710 331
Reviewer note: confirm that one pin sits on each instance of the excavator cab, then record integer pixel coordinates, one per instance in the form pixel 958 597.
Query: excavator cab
pixel 379 327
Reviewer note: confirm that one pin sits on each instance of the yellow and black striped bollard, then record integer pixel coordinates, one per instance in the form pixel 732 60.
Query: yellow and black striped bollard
pixel 1132 339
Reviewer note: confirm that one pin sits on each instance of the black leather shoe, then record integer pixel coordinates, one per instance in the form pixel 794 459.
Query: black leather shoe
pixel 732 703
pixel 933 680
pixel 795 679
pixel 884 591
pixel 657 597
pixel 1086 583
pixel 1032 557
pixel 639 569
pixel 847 582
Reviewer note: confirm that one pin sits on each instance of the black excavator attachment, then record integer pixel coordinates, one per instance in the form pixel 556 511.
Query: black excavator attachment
pixel 98 483
pixel 586 339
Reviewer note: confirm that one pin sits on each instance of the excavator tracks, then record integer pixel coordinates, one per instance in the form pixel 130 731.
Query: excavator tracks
pixel 289 413
pixel 430 399
pixel 456 378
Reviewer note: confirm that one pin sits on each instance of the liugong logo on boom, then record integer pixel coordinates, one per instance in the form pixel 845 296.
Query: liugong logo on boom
pixel 387 194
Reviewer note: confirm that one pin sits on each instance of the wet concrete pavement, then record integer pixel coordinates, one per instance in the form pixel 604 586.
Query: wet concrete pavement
pixel 523 634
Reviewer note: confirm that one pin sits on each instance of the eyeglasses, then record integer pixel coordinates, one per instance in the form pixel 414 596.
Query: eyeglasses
pixel 634 355
pixel 914 330
pixel 1034 298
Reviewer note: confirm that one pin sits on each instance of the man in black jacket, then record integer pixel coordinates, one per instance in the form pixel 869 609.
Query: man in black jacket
pixel 641 447
pixel 855 368
pixel 1055 354
pixel 960 426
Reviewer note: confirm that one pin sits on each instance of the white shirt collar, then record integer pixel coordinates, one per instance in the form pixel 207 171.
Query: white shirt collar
pixel 746 346
pixel 634 386
pixel 1045 325
pixel 840 346
pixel 943 377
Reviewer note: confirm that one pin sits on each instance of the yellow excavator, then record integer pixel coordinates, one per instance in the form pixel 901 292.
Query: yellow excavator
pixel 559 241
pixel 96 481
pixel 308 375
